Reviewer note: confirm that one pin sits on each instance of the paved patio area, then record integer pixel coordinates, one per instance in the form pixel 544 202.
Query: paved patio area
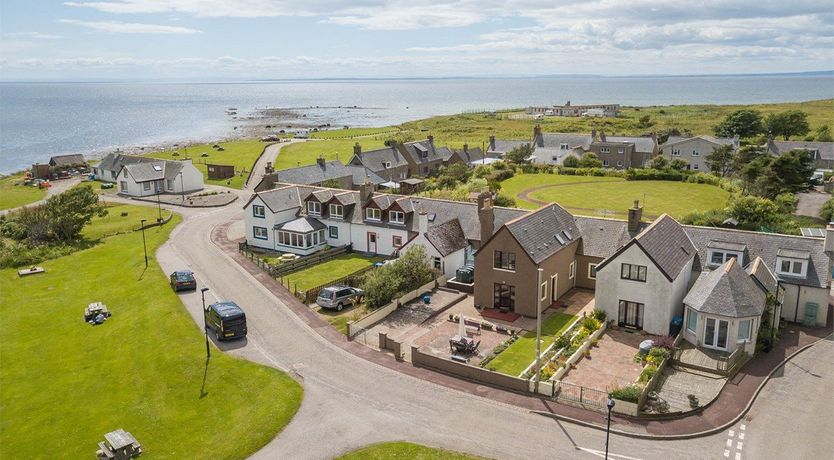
pixel 405 322
pixel 436 340
pixel 677 383
pixel 610 364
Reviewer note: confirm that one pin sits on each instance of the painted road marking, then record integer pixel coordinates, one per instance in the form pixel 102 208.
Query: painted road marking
pixel 740 445
pixel 738 455
pixel 729 443
pixel 741 436
pixel 743 427
pixel 727 453
pixel 732 433
pixel 601 454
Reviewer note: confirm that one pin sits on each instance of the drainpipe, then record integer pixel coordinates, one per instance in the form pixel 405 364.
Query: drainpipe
pixel 796 310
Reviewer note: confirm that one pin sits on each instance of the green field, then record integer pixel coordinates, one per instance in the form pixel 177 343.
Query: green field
pixel 305 153
pixel 522 352
pixel 14 194
pixel 240 153
pixel 115 222
pixel 612 196
pixel 331 270
pixel 355 133
pixel 64 383
pixel 403 451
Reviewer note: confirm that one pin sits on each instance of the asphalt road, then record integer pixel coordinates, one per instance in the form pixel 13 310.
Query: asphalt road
pixel 349 402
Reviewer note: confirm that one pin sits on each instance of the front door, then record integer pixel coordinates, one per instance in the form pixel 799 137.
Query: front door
pixel 630 314
pixel 372 242
pixel 715 333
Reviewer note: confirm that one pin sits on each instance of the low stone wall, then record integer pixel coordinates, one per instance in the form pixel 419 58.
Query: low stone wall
pixel 354 327
pixel 387 343
pixel 560 373
pixel 466 371
pixel 626 408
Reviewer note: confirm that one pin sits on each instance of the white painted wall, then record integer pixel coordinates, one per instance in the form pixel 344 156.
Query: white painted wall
pixel 661 298
pixel 192 178
pixel 449 264
pixel 795 311
pixel 384 245
pixel 697 338
pixel 702 146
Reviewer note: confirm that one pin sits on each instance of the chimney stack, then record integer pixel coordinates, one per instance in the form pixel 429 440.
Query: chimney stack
pixel 537 136
pixel 320 161
pixel 602 136
pixel 357 149
pixel 486 216
pixel 423 222
pixel 366 190
pixel 431 139
pixel 635 214
pixel 466 148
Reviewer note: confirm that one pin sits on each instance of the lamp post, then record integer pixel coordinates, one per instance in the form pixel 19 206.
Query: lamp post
pixel 158 204
pixel 205 325
pixel 144 246
pixel 182 188
pixel 608 428
pixel 538 325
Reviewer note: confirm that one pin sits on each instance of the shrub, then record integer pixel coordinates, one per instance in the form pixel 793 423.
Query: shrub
pixel 648 373
pixel 666 342
pixel 590 324
pixel 703 178
pixel 407 273
pixel 658 353
pixel 827 211
pixel 630 393
pixel 563 341
pixel 599 315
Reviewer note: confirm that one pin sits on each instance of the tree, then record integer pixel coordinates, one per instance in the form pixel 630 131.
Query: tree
pixel 645 121
pixel 753 212
pixel 659 162
pixel 788 123
pixel 745 155
pixel 520 154
pixel 453 174
pixel 827 211
pixel 786 202
pixel 590 160
pixel 332 183
pixel 678 165
pixel 410 271
pixel 794 168
pixel 70 211
pixel 751 171
pixel 744 123
pixel 570 162
pixel 722 160
pixel 824 134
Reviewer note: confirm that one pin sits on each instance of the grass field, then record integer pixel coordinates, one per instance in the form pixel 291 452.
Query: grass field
pixel 591 195
pixel 326 272
pixel 305 153
pixel 64 383
pixel 240 153
pixel 403 451
pixel 522 352
pixel 114 222
pixel 355 133
pixel 13 194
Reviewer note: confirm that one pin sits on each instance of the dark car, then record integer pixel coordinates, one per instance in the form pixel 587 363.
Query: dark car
pixel 183 280
pixel 227 320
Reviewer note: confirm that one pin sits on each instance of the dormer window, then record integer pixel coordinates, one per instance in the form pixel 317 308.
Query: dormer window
pixel 792 262
pixel 604 150
pixel 722 251
pixel 718 257
pixel 373 214
pixel 337 211
pixel 396 217
pixel 386 164
pixel 313 208
pixel 563 146
pixel 676 152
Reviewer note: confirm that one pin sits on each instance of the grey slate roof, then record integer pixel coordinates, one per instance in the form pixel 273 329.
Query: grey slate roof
pixel 825 149
pixel 667 244
pixel 433 153
pixel 360 173
pixel 603 237
pixel 555 140
pixel 147 171
pixel 726 291
pixel 641 144
pixel 766 246
pixel 67 160
pixel 759 271
pixel 314 174
pixel 544 232
pixel 375 159
pixel 283 198
pixel 115 161
pixel 301 225
pixel 470 154
pixel 447 237
pixel 504 146
pixel 672 140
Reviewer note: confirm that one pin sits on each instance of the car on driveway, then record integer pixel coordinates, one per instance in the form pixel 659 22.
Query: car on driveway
pixel 183 280
pixel 338 297
pixel 227 320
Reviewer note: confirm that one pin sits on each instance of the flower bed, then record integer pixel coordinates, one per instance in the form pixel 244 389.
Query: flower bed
pixel 569 347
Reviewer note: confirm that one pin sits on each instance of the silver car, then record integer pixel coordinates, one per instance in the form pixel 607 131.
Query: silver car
pixel 337 297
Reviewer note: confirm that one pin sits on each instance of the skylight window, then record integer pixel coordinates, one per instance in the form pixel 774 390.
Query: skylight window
pixel 560 239
pixel 567 235
pixel 157 168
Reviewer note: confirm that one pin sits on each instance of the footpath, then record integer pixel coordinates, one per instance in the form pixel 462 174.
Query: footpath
pixel 733 402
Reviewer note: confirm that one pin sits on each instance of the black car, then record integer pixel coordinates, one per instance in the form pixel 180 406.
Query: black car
pixel 183 280
pixel 227 320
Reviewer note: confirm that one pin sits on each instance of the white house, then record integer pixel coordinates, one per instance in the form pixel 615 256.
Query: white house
pixel 643 284
pixel 445 244
pixel 160 176
pixel 694 150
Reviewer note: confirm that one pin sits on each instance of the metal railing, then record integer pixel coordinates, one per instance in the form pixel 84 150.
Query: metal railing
pixel 569 392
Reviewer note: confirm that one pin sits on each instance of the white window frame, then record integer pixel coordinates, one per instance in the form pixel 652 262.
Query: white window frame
pixel 258 211
pixel 620 150
pixel 332 211
pixel 543 291
pixel 313 208
pixel 749 328
pixel 695 166
pixel 386 164
pixel 725 256
pixel 695 153
pixel 146 186
pixel 676 152
pixel 373 214
pixel 605 163
pixel 572 270
pixel 396 241
pixel 690 313
pixel 255 232
pixel 331 233
pixel 563 146
pixel 605 150
pixel 803 267
pixel 619 163
pixel 590 268
pixel 396 217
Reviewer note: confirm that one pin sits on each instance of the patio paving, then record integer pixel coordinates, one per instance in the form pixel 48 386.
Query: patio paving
pixel 405 321
pixel 677 383
pixel 610 364
pixel 435 340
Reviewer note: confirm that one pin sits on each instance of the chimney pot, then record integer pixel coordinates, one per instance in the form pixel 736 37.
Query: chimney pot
pixel 357 149
pixel 422 221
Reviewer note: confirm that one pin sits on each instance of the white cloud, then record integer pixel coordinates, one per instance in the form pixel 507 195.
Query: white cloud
pixel 33 35
pixel 130 27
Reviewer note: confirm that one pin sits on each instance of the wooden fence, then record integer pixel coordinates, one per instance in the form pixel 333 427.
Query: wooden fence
pixel 285 268
pixel 309 296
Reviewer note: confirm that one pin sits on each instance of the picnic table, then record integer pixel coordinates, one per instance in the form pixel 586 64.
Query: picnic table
pixel 463 344
pixel 94 309
pixel 118 445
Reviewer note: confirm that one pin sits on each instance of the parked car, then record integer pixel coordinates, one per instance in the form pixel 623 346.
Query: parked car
pixel 227 320
pixel 337 297
pixel 183 280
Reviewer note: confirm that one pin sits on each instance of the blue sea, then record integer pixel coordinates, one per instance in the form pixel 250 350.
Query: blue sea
pixel 38 120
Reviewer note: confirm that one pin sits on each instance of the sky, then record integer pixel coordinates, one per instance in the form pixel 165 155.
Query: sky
pixel 262 39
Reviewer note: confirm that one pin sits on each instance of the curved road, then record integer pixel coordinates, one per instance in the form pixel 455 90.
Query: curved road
pixel 350 402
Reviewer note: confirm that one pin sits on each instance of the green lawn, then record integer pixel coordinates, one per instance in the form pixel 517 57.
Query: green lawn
pixel 65 383
pixel 334 269
pixel 339 319
pixel 522 352
pixel 14 194
pixel 114 222
pixel 240 153
pixel 305 153
pixel 404 451
pixel 351 133
pixel 591 195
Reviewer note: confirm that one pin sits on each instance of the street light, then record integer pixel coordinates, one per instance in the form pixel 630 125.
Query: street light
pixel 205 326
pixel 144 246
pixel 182 188
pixel 608 429
pixel 538 325
pixel 158 204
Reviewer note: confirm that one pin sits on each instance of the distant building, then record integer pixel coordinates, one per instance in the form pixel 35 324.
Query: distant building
pixel 220 171
pixel 568 110
pixel 323 172
pixel 62 162
pixel 155 177
pixel 822 153
pixel 694 150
